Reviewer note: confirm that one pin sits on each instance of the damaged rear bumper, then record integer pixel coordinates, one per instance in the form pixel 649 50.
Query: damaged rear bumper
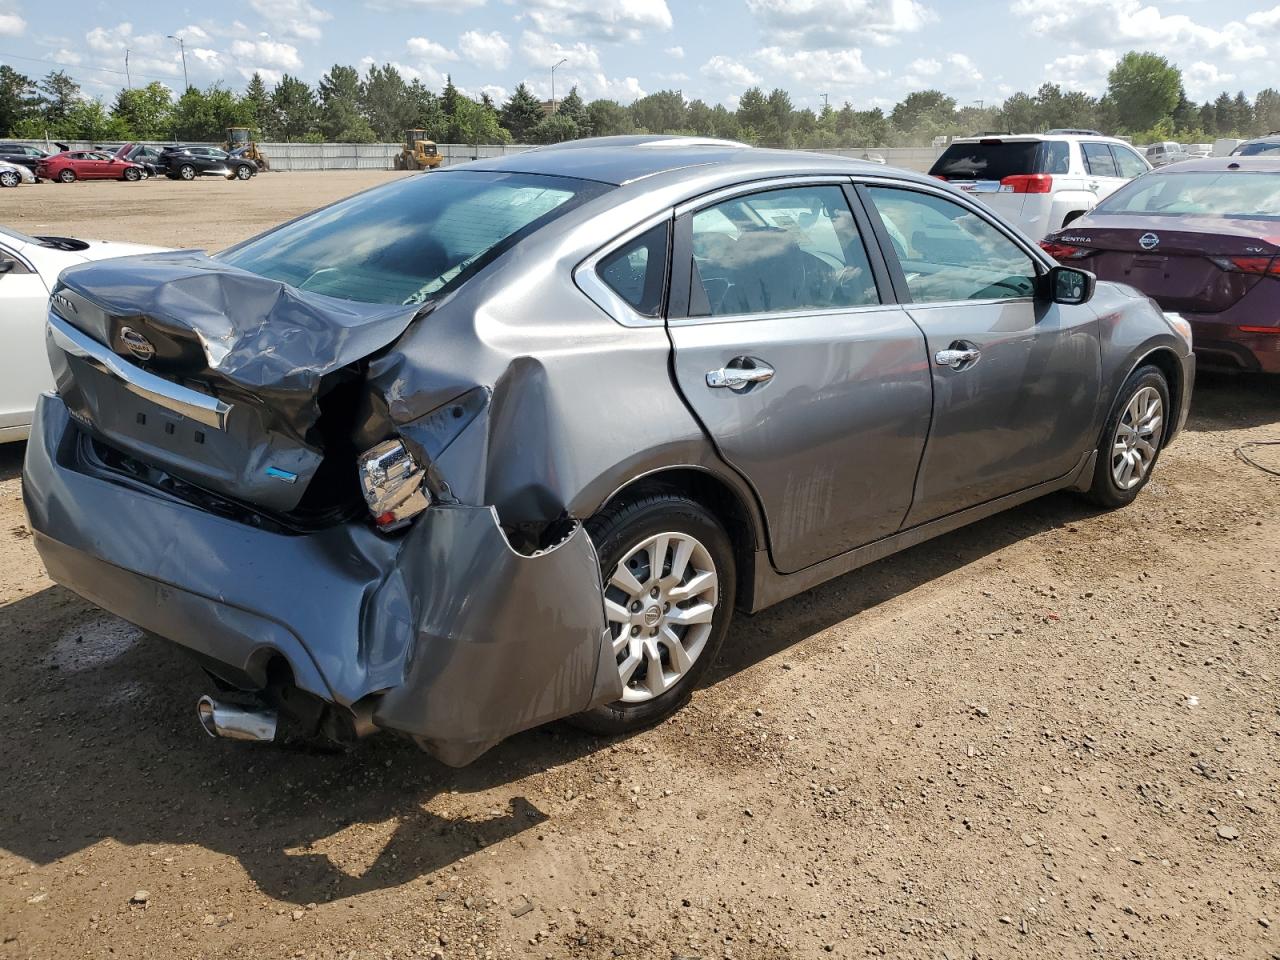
pixel 445 634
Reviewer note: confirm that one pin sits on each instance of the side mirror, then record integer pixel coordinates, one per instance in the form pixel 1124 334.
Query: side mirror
pixel 5 266
pixel 1069 286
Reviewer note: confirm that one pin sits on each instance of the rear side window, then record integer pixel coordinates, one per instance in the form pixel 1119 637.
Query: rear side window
pixel 1128 162
pixel 988 160
pixel 1258 149
pixel 410 240
pixel 1098 160
pixel 779 251
pixel 1057 157
pixel 637 271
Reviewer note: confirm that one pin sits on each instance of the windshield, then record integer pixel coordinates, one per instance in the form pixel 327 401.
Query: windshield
pixel 991 160
pixel 1256 149
pixel 1234 194
pixel 412 239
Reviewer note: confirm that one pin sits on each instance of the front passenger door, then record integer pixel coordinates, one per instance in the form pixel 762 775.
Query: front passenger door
pixel 1015 377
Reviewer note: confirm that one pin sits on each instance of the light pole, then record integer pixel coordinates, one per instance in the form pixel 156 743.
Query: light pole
pixel 182 45
pixel 826 100
pixel 553 82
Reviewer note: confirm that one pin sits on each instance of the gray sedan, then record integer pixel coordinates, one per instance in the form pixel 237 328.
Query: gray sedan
pixel 471 452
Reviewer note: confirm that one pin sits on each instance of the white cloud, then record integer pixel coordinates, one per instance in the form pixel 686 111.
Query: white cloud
pixel 542 52
pixel 924 68
pixel 496 93
pixel 1082 71
pixel 730 71
pixel 12 25
pixel 489 51
pixel 675 52
pixel 599 19
pixel 821 24
pixel 835 71
pixel 1204 80
pixel 446 6
pixel 429 75
pixel 583 70
pixel 1131 24
pixel 299 19
pixel 267 53
pixel 429 50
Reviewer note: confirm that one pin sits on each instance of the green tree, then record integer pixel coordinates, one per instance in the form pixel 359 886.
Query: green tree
pixel 387 104
pixel 473 122
pixel 661 112
pixel 294 107
pixel 573 108
pixel 340 118
pixel 521 114
pixel 1244 115
pixel 58 94
pixel 450 98
pixel 1266 110
pixel 753 114
pixel 257 100
pixel 145 112
pixel 1224 109
pixel 556 128
pixel 428 112
pixel 1145 89
pixel 206 114
pixel 607 118
pixel 19 99
pixel 924 111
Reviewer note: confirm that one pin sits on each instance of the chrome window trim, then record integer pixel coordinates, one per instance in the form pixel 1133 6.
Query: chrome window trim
pixel 196 406
pixel 783 314
pixel 16 257
pixel 760 186
pixel 601 294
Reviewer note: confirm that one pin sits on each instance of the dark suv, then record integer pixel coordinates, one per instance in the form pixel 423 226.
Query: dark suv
pixel 187 163
pixel 21 154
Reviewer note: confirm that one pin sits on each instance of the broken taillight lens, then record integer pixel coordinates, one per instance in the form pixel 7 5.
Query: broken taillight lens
pixel 391 481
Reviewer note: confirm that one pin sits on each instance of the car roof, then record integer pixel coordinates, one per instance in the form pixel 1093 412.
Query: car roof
pixel 623 160
pixel 1210 164
pixel 1037 137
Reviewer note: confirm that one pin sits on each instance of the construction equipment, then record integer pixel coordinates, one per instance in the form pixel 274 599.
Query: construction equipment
pixel 240 142
pixel 418 153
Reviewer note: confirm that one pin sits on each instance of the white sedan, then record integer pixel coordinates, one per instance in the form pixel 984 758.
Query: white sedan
pixel 13 175
pixel 29 267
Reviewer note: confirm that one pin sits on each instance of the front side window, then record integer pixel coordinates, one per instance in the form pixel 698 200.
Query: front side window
pixel 1128 162
pixel 637 271
pixel 410 240
pixel 1098 160
pixel 947 252
pixel 796 249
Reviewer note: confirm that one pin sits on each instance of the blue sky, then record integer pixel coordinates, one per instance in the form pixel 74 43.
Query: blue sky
pixel 869 52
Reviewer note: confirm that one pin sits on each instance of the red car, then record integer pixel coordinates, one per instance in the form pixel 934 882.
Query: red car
pixel 72 165
pixel 1202 239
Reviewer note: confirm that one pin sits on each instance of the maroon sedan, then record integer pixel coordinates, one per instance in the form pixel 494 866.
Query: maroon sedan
pixel 72 165
pixel 1202 239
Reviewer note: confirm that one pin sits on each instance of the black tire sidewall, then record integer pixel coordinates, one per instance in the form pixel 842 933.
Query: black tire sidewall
pixel 67 179
pixel 1104 491
pixel 616 532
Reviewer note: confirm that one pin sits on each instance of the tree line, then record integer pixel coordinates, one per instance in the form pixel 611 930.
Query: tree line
pixel 1145 99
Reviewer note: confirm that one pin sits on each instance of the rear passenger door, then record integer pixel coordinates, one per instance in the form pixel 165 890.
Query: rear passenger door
pixel 788 348
pixel 1015 376
pixel 1099 163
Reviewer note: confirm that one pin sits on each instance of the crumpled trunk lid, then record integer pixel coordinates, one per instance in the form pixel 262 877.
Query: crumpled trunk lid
pixel 285 362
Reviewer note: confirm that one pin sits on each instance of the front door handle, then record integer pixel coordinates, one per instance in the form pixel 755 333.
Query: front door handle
pixel 957 359
pixel 740 372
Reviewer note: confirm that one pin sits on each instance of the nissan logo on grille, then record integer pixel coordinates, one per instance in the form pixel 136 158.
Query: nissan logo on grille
pixel 1149 241
pixel 137 344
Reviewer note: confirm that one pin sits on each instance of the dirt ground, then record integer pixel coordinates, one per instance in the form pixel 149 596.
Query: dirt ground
pixel 1053 734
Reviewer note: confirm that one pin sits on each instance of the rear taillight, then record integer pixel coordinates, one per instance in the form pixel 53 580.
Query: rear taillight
pixel 1065 251
pixel 391 481
pixel 1273 331
pixel 1029 183
pixel 938 176
pixel 1258 266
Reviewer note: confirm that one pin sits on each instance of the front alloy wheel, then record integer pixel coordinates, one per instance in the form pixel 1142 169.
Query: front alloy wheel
pixel 667 567
pixel 243 172
pixel 10 178
pixel 1132 439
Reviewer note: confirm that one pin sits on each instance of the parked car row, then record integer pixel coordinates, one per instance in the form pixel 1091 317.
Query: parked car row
pixel 131 161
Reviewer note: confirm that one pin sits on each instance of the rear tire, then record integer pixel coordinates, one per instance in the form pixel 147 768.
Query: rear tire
pixel 1132 439
pixel 669 576
pixel 187 172
pixel 10 178
pixel 67 176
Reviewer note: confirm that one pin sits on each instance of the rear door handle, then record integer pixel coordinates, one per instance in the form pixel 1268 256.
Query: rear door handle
pixel 736 374
pixel 957 359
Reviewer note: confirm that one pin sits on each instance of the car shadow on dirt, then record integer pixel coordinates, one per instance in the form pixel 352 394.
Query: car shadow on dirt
pixel 101 740
pixel 1234 401
pixel 11 455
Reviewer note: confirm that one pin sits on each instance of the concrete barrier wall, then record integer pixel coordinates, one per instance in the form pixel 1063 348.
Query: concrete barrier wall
pixel 381 156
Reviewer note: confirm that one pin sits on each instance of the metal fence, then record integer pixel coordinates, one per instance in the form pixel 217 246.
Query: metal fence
pixel 381 156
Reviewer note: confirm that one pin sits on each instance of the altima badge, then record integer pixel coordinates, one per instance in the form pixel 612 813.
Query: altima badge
pixel 137 344
pixel 1149 241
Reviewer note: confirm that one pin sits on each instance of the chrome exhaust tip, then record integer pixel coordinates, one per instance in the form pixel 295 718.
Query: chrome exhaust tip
pixel 235 723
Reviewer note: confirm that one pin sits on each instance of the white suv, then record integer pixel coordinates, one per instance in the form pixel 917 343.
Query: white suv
pixel 1041 182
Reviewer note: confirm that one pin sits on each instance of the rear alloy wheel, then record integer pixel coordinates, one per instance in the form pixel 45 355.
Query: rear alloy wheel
pixel 187 172
pixel 10 178
pixel 243 172
pixel 1132 439
pixel 67 175
pixel 131 174
pixel 668 573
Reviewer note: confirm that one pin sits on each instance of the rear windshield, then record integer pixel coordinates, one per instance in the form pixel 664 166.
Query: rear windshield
pixel 989 161
pixel 1228 194
pixel 410 240
pixel 1256 149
